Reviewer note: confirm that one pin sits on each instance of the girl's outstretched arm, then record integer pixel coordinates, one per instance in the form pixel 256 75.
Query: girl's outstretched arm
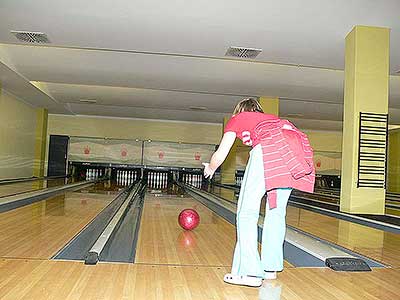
pixel 219 156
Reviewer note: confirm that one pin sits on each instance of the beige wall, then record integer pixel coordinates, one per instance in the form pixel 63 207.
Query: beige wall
pixel 17 137
pixel 135 129
pixel 330 141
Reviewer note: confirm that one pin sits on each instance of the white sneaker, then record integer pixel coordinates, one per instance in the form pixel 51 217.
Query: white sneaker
pixel 243 280
pixel 269 275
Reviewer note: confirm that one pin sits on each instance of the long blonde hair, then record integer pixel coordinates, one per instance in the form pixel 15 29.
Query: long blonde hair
pixel 247 104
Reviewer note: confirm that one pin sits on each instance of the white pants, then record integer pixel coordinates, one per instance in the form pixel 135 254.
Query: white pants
pixel 246 260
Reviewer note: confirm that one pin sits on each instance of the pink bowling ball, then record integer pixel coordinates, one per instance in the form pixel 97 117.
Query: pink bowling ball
pixel 188 219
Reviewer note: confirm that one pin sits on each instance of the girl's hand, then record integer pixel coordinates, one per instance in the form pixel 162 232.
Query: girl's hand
pixel 208 172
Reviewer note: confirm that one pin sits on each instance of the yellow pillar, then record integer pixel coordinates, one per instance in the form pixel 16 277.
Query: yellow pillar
pixel 270 105
pixel 40 142
pixel 394 161
pixel 365 90
pixel 228 168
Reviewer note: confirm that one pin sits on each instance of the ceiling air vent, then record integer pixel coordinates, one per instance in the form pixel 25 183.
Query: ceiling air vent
pixel 242 52
pixel 31 37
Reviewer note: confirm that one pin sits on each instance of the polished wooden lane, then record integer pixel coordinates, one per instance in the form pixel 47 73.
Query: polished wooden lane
pixel 40 229
pixel 65 280
pixel 374 243
pixel 28 186
pixel 163 241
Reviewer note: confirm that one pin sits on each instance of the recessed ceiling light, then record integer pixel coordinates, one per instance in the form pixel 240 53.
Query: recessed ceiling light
pixel 294 115
pixel 91 101
pixel 197 107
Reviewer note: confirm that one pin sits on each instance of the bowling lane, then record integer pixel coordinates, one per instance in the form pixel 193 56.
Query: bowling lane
pixel 40 229
pixel 9 189
pixel 163 241
pixel 375 243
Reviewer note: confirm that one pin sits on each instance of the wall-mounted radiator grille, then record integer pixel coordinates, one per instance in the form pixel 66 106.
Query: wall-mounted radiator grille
pixel 372 150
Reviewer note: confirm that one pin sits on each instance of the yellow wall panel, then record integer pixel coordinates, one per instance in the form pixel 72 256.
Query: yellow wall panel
pixel 17 137
pixel 40 143
pixel 228 168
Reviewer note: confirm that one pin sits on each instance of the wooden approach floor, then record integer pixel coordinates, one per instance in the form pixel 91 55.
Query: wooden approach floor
pixel 44 279
pixel 171 263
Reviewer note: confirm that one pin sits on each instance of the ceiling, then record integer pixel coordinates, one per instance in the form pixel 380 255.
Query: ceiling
pixel 162 60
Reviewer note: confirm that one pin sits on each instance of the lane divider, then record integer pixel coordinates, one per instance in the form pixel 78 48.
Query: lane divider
pixel 12 202
pixel 95 251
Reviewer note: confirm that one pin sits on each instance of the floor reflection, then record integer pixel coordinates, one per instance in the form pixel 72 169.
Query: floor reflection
pixel 270 290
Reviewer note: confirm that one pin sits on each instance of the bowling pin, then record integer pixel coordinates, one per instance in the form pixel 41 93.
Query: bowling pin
pixel 162 180
pixel 156 180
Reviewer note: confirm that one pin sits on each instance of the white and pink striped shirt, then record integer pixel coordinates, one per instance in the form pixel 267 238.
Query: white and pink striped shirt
pixel 287 153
